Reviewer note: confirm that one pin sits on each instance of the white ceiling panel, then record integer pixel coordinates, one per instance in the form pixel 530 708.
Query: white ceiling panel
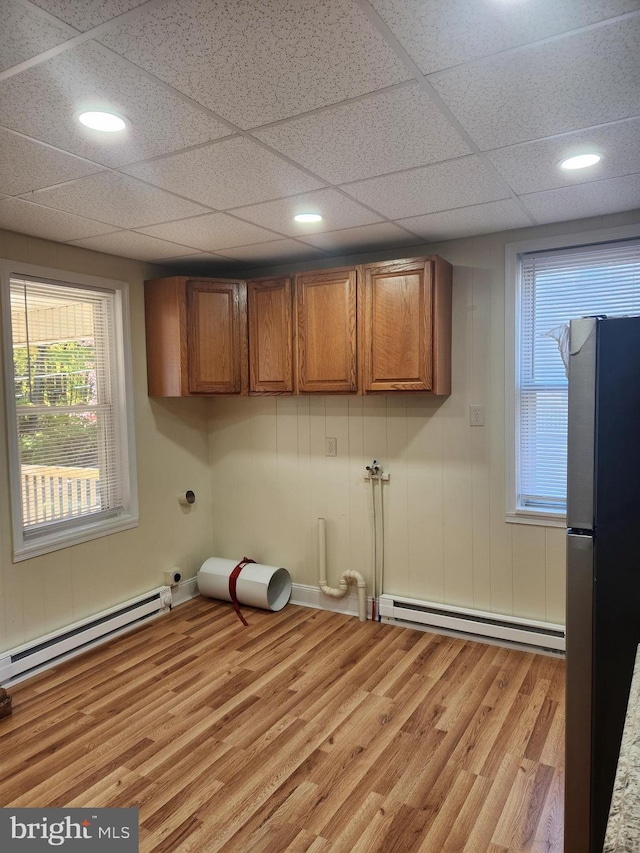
pixel 385 132
pixel 381 235
pixel 277 250
pixel 582 80
pixel 226 174
pixel 27 165
pixel 211 231
pixel 26 218
pixel 130 244
pixel 534 166
pixel 466 221
pixel 336 209
pixel 120 200
pixel 258 61
pixel 42 102
pixel 439 34
pixel 88 13
pixel 242 114
pixel 577 202
pixel 455 183
pixel 25 33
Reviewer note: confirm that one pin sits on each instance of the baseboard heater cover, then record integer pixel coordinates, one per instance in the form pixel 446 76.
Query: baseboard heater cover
pixel 476 622
pixel 53 648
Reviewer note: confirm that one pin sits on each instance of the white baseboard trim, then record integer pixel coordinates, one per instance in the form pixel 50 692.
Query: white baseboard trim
pixel 185 590
pixel 311 596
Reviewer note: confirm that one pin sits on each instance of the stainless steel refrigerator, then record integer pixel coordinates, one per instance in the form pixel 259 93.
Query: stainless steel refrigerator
pixel 603 564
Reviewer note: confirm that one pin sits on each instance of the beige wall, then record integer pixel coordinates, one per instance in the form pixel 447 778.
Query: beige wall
pixel 446 537
pixel 44 593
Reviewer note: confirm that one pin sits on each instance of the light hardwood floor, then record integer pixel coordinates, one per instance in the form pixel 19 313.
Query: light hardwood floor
pixel 306 731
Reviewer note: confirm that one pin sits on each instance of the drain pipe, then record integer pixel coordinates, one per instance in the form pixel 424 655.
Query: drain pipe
pixel 346 578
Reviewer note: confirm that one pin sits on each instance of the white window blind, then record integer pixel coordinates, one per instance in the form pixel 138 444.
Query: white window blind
pixel 71 435
pixel 556 287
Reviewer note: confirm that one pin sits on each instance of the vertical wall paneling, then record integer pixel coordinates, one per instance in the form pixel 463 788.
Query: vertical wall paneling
pixel 288 482
pixel 360 549
pixel 529 581
pixel 338 497
pixel 425 521
pixel 396 505
pixel 456 451
pixel 556 579
pixel 263 526
pixel 480 332
pixel 307 564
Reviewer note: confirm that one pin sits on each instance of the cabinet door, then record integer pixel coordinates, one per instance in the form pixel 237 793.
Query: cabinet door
pixel 270 336
pixel 406 326
pixel 214 335
pixel 326 331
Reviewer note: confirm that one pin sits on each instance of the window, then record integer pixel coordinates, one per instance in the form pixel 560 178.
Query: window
pixel 69 408
pixel 555 285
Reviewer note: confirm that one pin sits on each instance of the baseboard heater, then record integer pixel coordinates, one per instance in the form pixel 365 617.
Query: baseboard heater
pixel 53 648
pixel 477 623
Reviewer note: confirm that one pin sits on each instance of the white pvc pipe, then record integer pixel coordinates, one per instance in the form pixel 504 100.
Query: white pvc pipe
pixel 267 587
pixel 346 578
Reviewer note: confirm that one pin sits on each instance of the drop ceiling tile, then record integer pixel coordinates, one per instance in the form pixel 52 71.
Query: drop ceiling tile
pixel 336 209
pixel 534 166
pixel 261 60
pixel 381 235
pixel 226 174
pixel 42 102
pixel 26 33
pixel 129 244
pixel 384 133
pixel 26 165
pixel 467 221
pixel 89 13
pixel 117 199
pixel 439 34
pixel 211 231
pixel 454 183
pixel 277 250
pixel 578 81
pixel 26 218
pixel 578 202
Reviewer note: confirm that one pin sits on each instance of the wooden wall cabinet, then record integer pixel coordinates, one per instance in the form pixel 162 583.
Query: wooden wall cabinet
pixel 196 336
pixel 405 326
pixel 378 328
pixel 270 309
pixel 325 336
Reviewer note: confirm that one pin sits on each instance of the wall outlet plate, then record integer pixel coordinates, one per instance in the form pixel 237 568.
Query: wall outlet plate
pixel 331 447
pixel 476 415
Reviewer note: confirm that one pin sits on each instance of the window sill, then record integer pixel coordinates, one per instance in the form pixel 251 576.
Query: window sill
pixel 540 519
pixel 27 550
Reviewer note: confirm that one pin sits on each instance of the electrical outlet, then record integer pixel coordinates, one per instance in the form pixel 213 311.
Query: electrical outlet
pixel 331 447
pixel 476 415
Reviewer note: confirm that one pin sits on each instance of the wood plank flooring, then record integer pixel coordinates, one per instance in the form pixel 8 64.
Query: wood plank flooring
pixel 306 731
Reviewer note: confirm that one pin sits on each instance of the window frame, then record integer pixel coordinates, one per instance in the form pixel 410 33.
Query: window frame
pixel 84 528
pixel 513 296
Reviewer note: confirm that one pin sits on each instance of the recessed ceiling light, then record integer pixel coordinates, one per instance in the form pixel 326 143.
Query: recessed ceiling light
pixel 99 120
pixel 580 161
pixel 308 217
